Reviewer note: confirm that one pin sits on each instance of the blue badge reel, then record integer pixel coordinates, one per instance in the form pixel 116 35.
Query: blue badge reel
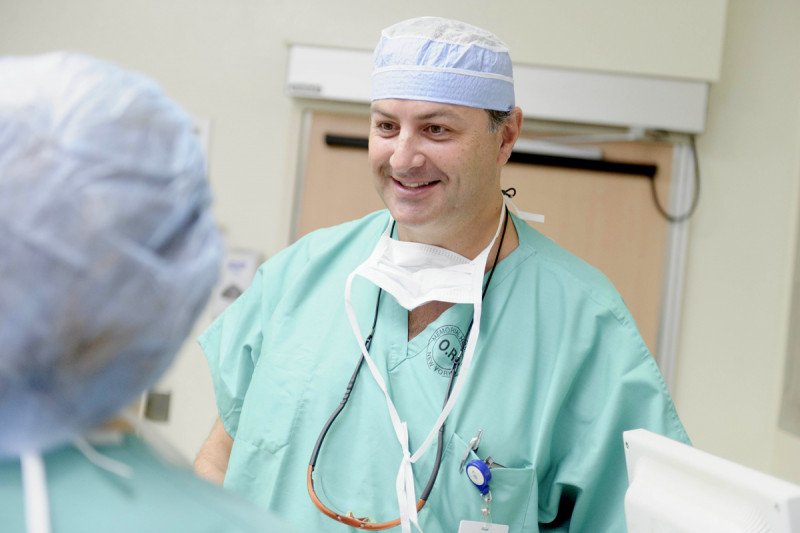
pixel 480 475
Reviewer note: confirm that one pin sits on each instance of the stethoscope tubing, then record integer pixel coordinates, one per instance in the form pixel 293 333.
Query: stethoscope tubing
pixel 364 523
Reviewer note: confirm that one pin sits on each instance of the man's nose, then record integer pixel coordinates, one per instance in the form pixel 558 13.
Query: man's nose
pixel 406 155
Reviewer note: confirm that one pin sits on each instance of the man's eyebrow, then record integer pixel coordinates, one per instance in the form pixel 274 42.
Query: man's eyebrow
pixel 376 111
pixel 438 114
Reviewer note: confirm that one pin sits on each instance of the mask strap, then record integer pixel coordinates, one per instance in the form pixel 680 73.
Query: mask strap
pixel 404 484
pixel 101 461
pixel 508 194
pixel 472 342
pixel 37 504
pixel 403 488
pixel 163 448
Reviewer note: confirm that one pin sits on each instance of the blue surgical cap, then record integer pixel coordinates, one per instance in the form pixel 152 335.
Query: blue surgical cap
pixel 108 250
pixel 442 60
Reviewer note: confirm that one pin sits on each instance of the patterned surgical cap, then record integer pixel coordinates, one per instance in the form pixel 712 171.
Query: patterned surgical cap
pixel 441 60
pixel 108 250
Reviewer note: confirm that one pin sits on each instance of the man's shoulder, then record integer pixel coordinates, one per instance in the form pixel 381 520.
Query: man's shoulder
pixel 567 268
pixel 328 249
pixel 352 233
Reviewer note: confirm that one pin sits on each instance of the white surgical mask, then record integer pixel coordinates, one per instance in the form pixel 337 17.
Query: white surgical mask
pixel 415 274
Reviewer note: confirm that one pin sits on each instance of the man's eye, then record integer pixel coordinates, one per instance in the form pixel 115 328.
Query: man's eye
pixel 435 129
pixel 385 126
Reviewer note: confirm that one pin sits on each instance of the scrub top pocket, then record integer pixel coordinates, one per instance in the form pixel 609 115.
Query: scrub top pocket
pixel 455 498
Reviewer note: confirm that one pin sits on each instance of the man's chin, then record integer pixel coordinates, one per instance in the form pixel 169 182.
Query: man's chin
pixel 415 227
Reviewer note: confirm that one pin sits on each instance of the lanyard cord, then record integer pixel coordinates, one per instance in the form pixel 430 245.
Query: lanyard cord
pixel 364 523
pixel 456 365
pixel 347 391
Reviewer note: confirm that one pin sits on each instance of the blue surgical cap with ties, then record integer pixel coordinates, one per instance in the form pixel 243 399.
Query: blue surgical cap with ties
pixel 442 60
pixel 108 250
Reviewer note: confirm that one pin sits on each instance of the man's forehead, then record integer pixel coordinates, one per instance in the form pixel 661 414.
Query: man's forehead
pixel 422 110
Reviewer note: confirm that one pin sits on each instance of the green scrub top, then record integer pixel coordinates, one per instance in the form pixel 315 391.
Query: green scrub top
pixel 158 498
pixel 560 371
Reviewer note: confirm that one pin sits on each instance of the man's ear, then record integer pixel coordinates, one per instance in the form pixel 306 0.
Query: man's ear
pixel 509 134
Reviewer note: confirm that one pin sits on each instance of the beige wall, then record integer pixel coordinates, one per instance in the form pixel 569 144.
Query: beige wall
pixel 226 61
pixel 742 240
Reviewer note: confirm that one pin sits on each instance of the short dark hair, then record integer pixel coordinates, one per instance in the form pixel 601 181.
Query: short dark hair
pixel 497 119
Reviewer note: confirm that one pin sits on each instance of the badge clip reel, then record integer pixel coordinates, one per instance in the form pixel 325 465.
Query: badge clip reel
pixel 474 442
pixel 480 475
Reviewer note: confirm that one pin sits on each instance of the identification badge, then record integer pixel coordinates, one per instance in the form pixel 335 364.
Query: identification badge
pixel 470 526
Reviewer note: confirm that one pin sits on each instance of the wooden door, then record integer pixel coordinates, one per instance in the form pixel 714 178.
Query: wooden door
pixel 608 219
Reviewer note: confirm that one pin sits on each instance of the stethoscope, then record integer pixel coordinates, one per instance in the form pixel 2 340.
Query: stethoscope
pixel 364 522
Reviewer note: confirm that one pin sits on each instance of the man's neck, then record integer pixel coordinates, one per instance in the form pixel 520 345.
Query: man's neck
pixel 464 237
pixel 468 241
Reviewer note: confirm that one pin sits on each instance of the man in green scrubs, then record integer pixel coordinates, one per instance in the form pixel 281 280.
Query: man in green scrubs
pixel 108 252
pixel 548 366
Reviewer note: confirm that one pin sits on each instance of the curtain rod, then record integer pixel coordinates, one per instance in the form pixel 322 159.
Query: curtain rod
pixel 598 165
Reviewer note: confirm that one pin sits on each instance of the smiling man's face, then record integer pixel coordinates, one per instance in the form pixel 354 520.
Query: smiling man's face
pixel 436 167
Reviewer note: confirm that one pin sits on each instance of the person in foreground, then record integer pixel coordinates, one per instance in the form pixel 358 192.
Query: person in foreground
pixel 108 253
pixel 438 364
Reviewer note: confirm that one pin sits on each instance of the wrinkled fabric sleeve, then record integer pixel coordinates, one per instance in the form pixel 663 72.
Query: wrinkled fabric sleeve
pixel 619 387
pixel 232 345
